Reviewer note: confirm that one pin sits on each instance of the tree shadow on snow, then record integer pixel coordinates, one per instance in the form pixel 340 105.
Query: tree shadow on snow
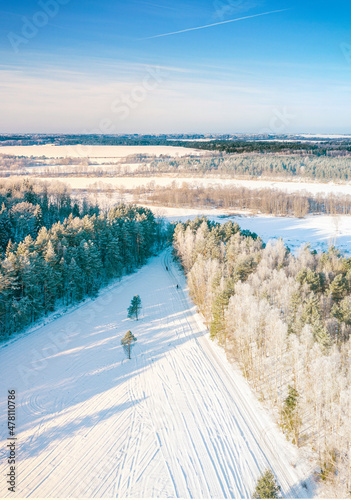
pixel 304 489
pixel 40 441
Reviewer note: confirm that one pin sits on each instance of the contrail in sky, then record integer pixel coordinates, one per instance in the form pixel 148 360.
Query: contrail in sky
pixel 215 24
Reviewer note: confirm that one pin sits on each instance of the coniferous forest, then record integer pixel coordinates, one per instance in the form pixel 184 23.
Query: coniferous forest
pixel 56 252
pixel 286 321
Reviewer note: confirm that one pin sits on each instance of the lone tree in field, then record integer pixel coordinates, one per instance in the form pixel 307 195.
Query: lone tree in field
pixel 266 486
pixel 127 342
pixel 135 307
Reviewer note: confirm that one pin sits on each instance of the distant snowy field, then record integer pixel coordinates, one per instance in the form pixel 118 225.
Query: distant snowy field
pixel 320 231
pixel 99 152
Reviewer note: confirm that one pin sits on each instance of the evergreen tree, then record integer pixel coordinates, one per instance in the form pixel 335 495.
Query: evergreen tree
pixel 135 307
pixel 127 342
pixel 5 228
pixel 75 284
pixel 51 278
pixel 291 421
pixel 338 288
pixel 311 312
pixel 321 335
pixel 219 307
pixel 266 486
pixel 38 214
pixel 313 279
pixel 342 311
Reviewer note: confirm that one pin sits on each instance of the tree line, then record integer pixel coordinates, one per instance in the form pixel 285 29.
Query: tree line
pixel 286 321
pixel 240 146
pixel 268 201
pixel 223 143
pixel 284 166
pixel 270 166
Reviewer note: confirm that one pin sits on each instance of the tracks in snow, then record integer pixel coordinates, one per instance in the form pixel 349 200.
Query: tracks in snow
pixel 175 421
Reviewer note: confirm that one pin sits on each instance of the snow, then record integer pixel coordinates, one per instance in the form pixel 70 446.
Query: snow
pixel 321 231
pixel 327 136
pixel 175 421
pixel 99 152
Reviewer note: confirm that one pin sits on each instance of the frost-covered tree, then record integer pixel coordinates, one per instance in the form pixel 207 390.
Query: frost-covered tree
pixel 287 324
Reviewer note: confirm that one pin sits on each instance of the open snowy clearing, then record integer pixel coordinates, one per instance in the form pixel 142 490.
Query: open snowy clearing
pixel 132 182
pixel 176 421
pixel 321 231
pixel 84 151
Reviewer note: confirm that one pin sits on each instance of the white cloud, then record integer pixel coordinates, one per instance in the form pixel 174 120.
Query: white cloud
pixel 65 100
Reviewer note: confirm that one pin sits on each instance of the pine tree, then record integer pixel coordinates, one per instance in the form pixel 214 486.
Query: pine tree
pixel 219 307
pixel 51 278
pixel 5 228
pixel 266 486
pixel 38 224
pixel 338 288
pixel 127 342
pixel 311 312
pixel 135 307
pixel 75 284
pixel 321 335
pixel 342 311
pixel 291 421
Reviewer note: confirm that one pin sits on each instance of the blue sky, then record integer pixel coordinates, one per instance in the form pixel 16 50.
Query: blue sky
pixel 93 66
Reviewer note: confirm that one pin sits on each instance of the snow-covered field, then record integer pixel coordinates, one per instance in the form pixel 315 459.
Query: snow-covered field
pixel 326 136
pixel 133 182
pixel 96 152
pixel 176 421
pixel 321 231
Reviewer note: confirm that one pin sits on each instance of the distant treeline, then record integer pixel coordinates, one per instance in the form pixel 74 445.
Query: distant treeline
pixel 268 201
pixel 320 168
pixel 252 166
pixel 240 145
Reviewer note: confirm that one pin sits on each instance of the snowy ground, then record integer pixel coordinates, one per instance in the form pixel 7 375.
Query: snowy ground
pixel 101 152
pixel 321 231
pixel 175 421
